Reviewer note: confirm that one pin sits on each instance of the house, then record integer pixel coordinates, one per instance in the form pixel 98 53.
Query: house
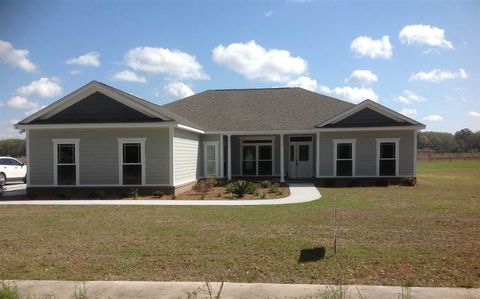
pixel 99 137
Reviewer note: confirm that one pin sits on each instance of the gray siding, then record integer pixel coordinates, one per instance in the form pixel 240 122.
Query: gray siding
pixel 366 151
pixel 99 154
pixel 186 156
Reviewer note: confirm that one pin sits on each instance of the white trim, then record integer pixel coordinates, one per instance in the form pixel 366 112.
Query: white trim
pixel 372 105
pixel 89 89
pixel 257 158
pixel 353 142
pixel 317 152
pixel 183 183
pixel 415 153
pixel 165 124
pixel 397 151
pixel 105 185
pixel 27 144
pixel 310 148
pixel 187 128
pixel 205 144
pixel 229 157
pixel 75 142
pixel 282 159
pixel 171 155
pixel 222 161
pixel 121 142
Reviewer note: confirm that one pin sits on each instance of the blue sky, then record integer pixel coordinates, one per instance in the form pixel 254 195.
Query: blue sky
pixel 421 58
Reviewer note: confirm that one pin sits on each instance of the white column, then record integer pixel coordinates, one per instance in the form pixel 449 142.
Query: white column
pixel 229 157
pixel 282 160
pixel 317 152
pixel 221 157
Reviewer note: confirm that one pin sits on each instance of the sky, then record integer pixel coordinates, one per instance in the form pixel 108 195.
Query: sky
pixel 420 58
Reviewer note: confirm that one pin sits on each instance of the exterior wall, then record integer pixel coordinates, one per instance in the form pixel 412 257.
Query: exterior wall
pixel 366 151
pixel 185 156
pixel 99 156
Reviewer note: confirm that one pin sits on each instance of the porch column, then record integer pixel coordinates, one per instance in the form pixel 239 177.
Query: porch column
pixel 282 160
pixel 221 157
pixel 229 156
pixel 317 152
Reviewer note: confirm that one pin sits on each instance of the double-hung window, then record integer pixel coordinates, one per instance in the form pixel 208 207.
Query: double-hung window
pixel 66 161
pixel 132 161
pixel 257 156
pixel 387 156
pixel 344 157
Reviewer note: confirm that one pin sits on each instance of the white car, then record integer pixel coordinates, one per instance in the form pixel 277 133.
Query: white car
pixel 12 170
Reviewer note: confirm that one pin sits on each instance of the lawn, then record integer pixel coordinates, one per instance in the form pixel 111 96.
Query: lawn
pixel 428 235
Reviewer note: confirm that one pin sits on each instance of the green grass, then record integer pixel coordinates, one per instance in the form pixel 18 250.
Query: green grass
pixel 425 236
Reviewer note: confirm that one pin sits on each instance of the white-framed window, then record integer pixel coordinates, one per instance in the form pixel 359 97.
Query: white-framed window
pixel 66 158
pixel 131 162
pixel 387 156
pixel 257 156
pixel 211 158
pixel 344 157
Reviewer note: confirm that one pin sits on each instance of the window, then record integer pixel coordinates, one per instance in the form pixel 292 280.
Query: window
pixel 211 158
pixel 15 162
pixel 66 156
pixel 132 161
pixel 387 153
pixel 257 156
pixel 344 157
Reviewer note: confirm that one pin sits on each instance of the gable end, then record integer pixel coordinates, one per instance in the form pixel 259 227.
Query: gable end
pixel 367 118
pixel 97 108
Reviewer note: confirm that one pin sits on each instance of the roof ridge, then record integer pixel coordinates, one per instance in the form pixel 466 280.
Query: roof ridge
pixel 254 88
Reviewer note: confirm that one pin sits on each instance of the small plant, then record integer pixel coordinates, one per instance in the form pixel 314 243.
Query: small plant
pixel 174 197
pixel 253 187
pixel 219 194
pixel 265 184
pixel 335 292
pixel 204 186
pixel 8 291
pixel 81 293
pixel 158 194
pixel 240 188
pixel 406 293
pixel 133 193
pixel 280 192
pixel 263 195
pixel 274 188
pixel 409 181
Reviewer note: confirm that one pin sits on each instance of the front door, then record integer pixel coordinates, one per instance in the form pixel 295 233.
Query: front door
pixel 300 159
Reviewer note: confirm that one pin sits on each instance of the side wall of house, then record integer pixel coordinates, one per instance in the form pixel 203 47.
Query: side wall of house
pixel 99 154
pixel 186 156
pixel 366 151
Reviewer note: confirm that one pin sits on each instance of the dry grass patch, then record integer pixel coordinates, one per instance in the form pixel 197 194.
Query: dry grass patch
pixel 428 235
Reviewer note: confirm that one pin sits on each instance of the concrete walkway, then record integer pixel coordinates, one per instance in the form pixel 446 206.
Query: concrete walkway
pixel 298 193
pixel 146 289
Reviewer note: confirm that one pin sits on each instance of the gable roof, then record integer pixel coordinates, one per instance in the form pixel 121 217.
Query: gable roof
pixel 263 109
pixel 155 112
pixel 368 113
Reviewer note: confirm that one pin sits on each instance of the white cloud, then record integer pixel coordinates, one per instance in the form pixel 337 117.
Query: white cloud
pixel 409 97
pixel 473 113
pixel 424 35
pixel 75 72
pixel 19 102
pixel 178 90
pixel 304 82
pixel 268 13
pixel 351 94
pixel 433 118
pixel 363 77
pixel 375 48
pixel 89 59
pixel 409 112
pixel 257 63
pixel 15 57
pixel 44 88
pixel 438 75
pixel 174 63
pixel 8 131
pixel 129 76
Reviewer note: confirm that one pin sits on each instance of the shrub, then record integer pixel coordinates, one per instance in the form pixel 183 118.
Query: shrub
pixel 410 181
pixel 263 195
pixel 204 186
pixel 174 197
pixel 252 187
pixel 158 194
pixel 274 188
pixel 239 188
pixel 133 193
pixel 265 184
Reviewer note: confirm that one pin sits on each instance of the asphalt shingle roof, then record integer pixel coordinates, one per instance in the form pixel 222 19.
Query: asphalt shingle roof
pixel 262 109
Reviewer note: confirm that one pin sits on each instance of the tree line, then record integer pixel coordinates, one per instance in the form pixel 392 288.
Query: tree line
pixel 463 141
